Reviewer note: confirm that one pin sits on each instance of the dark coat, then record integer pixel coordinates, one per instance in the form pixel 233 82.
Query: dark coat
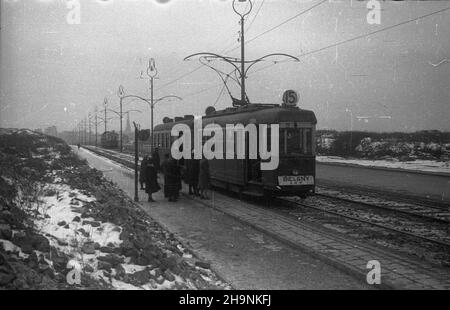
pixel 151 180
pixel 172 177
pixel 204 177
pixel 192 171
pixel 142 170
pixel 156 160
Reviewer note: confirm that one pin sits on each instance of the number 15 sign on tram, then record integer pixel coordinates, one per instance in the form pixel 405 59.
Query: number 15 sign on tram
pixel 290 98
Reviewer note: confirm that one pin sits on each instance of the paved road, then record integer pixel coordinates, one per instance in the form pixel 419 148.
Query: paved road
pixel 245 257
pixel 427 186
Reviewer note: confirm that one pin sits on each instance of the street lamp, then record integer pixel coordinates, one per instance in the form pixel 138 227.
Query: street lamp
pixel 120 114
pixel 120 94
pixel 152 101
pixel 105 103
pixel 152 72
pixel 206 57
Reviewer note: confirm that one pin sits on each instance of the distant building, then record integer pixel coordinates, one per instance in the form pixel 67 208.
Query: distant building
pixel 51 131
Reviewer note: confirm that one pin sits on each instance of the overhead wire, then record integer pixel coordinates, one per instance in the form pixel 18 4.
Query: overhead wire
pixel 254 38
pixel 358 37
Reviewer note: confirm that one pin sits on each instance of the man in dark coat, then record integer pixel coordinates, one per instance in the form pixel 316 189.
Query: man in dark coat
pixel 142 171
pixel 172 178
pixel 151 180
pixel 156 159
pixel 191 178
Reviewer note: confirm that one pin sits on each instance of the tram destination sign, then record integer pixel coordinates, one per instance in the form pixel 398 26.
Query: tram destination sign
pixel 296 180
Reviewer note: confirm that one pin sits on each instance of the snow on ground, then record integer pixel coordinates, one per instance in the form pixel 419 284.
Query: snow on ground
pixel 8 246
pixel 416 165
pixel 60 221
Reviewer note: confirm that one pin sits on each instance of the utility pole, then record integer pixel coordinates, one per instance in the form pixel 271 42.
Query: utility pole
pixel 79 133
pixel 120 114
pixel 90 132
pixel 242 69
pixel 152 72
pixel 85 130
pixel 105 103
pixel 96 123
pixel 242 15
pixel 121 94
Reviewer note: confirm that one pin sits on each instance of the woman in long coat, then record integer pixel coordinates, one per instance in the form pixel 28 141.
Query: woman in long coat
pixel 204 178
pixel 192 175
pixel 151 180
pixel 156 159
pixel 142 171
pixel 172 178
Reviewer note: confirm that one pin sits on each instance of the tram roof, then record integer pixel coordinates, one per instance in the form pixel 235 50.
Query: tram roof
pixel 257 113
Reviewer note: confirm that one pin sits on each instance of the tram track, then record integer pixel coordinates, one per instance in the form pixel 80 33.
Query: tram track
pixel 345 214
pixel 349 210
pixel 416 210
pixel 340 250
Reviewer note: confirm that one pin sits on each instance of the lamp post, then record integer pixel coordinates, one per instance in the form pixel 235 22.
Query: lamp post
pixel 151 102
pixel 152 72
pixel 96 122
pixel 206 57
pixel 120 94
pixel 85 130
pixel 105 103
pixel 120 114
pixel 90 132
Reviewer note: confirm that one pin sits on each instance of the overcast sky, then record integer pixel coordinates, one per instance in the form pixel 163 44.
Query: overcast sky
pixel 55 73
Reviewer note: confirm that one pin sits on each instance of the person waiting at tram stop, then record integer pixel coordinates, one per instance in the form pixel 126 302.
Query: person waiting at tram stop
pixel 172 178
pixel 142 171
pixel 156 159
pixel 192 174
pixel 204 178
pixel 151 179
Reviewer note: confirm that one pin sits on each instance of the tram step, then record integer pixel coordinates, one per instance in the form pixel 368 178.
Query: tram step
pixel 253 193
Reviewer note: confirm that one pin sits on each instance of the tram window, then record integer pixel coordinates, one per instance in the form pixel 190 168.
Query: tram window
pixel 293 141
pixel 296 141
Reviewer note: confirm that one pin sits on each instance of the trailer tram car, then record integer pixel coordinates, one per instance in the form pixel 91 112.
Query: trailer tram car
pixel 109 140
pixel 295 175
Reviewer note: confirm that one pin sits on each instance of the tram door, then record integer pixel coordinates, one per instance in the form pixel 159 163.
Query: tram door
pixel 253 166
